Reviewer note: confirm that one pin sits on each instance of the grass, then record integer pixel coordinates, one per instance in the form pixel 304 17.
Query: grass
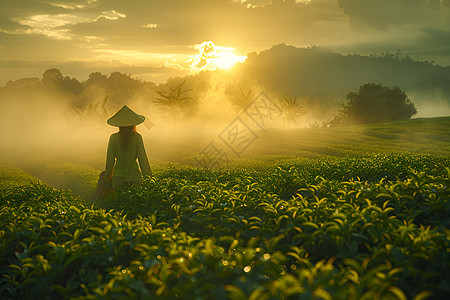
pixel 80 173
pixel 321 213
pixel 80 179
pixel 421 136
pixel 331 228
pixel 12 175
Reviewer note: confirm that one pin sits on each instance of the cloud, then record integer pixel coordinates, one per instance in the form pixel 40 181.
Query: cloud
pixel 82 29
pixel 212 57
pixel 137 58
pixel 150 26
pixel 48 25
pixel 72 5
pixel 80 69
pixel 225 22
pixel 57 25
pixel 419 28
pixel 110 15
pixel 383 14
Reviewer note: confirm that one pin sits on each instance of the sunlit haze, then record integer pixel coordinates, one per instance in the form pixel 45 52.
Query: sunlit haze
pixel 211 57
pixel 155 40
pixel 224 149
pixel 68 65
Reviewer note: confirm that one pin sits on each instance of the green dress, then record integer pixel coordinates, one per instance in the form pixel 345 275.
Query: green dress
pixel 121 162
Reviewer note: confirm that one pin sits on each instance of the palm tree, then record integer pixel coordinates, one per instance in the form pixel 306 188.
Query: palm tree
pixel 175 101
pixel 242 99
pixel 291 109
pixel 95 109
pixel 339 117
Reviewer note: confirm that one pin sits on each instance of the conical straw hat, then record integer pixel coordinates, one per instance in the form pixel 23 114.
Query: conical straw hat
pixel 125 117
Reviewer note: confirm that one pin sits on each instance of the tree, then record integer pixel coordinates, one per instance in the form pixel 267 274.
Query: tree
pixel 375 103
pixel 242 98
pixel 291 109
pixel 176 102
pixel 95 109
pixel 52 77
pixel 97 78
pixel 24 83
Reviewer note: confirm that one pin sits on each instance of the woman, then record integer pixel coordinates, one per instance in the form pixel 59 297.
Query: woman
pixel 124 148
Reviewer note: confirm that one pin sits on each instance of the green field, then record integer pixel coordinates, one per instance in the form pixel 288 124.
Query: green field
pixel 320 213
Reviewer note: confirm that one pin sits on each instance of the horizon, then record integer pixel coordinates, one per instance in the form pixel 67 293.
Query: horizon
pixel 194 68
pixel 155 41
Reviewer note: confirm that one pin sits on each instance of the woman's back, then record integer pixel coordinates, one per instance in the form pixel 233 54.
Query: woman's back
pixel 125 152
pixel 124 148
pixel 121 157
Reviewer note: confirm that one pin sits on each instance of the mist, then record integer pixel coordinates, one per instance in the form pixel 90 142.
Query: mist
pixel 44 121
pixel 57 116
pixel 430 102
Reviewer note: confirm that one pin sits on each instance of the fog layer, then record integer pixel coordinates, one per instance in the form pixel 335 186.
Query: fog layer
pixel 59 116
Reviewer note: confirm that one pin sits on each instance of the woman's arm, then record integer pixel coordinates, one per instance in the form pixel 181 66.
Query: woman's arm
pixel 142 157
pixel 110 160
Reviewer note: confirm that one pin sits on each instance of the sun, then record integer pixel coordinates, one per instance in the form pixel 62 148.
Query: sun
pixel 211 57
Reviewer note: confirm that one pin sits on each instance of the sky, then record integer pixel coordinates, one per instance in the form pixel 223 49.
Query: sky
pixel 156 39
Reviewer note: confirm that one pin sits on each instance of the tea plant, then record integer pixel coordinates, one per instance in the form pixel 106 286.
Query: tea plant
pixel 11 175
pixel 330 228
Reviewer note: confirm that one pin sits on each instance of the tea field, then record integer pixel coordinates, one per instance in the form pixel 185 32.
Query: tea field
pixel 363 226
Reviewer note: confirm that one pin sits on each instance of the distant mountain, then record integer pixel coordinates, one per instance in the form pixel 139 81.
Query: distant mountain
pixel 314 80
pixel 308 71
pixel 327 77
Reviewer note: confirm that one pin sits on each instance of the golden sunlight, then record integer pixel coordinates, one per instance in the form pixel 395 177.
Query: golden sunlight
pixel 211 57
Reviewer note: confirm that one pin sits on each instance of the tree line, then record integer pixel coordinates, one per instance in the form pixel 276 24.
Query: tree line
pixel 179 98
